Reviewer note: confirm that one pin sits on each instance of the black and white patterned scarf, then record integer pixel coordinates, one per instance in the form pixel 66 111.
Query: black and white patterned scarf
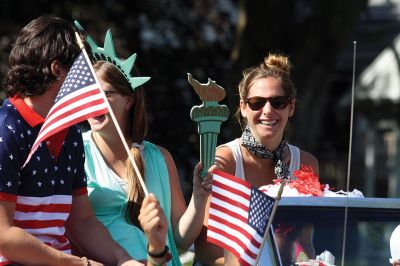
pixel 281 169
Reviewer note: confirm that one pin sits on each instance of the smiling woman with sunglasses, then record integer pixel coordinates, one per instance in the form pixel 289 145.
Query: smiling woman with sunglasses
pixel 262 154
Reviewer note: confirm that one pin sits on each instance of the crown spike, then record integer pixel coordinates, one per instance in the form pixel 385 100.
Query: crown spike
pixel 136 82
pixel 108 54
pixel 93 45
pixel 109 45
pixel 127 65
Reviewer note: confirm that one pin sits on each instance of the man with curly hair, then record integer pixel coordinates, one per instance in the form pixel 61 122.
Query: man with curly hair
pixel 44 205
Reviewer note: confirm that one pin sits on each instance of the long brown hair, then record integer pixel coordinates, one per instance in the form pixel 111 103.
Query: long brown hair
pixel 137 130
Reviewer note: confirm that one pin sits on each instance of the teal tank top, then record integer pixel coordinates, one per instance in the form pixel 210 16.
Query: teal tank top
pixel 109 199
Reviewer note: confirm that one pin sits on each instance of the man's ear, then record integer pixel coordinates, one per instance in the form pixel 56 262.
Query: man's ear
pixel 57 69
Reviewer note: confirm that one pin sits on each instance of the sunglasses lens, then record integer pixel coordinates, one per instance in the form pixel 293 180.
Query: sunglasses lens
pixel 256 103
pixel 279 102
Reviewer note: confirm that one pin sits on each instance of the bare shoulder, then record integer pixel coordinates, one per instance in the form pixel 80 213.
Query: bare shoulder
pixel 167 155
pixel 172 170
pixel 225 160
pixel 309 159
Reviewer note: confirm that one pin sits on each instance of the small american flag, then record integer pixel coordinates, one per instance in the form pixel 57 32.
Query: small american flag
pixel 238 216
pixel 79 98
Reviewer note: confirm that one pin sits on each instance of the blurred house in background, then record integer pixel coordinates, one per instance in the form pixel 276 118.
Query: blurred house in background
pixel 375 164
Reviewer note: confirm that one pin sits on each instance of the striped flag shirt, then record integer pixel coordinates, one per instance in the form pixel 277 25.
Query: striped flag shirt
pixel 79 98
pixel 238 216
pixel 42 191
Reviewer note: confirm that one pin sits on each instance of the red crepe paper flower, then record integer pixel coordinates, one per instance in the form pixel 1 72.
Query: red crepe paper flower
pixel 307 182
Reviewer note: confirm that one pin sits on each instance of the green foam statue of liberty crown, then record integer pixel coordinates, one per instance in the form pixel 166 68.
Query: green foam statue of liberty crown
pixel 108 54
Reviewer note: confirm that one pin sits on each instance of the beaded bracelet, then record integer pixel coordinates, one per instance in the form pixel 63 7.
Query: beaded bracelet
pixel 159 255
pixel 151 260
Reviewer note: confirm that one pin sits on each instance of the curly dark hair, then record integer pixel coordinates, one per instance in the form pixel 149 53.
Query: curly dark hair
pixel 39 43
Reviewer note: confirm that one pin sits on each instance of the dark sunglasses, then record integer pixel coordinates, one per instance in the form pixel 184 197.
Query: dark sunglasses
pixel 278 102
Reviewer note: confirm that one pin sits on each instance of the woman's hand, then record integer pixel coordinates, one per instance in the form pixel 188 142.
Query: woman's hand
pixel 202 187
pixel 154 224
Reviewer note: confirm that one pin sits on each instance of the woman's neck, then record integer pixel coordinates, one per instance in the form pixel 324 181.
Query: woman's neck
pixel 272 146
pixel 110 145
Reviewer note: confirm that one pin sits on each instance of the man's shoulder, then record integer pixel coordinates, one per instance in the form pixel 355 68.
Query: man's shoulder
pixel 7 109
pixel 75 131
pixel 9 116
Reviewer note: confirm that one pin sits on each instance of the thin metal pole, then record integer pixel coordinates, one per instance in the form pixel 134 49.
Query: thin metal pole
pixel 349 156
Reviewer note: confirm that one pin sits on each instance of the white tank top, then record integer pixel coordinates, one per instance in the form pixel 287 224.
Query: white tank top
pixel 234 145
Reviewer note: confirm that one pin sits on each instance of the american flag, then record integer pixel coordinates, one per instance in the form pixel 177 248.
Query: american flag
pixel 79 98
pixel 238 216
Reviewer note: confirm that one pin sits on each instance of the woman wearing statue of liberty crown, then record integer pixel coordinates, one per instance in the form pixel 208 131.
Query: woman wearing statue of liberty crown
pixel 114 189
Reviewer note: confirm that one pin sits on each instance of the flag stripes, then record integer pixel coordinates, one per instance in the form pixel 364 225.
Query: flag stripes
pixel 236 211
pixel 79 98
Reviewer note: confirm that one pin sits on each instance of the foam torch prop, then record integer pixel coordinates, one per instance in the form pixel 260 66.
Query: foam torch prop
pixel 209 117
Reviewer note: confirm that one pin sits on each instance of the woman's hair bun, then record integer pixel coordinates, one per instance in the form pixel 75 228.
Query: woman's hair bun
pixel 277 61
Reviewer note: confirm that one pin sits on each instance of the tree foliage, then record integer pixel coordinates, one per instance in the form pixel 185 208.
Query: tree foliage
pixel 211 39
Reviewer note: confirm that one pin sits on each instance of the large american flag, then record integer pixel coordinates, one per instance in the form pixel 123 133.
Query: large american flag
pixel 79 98
pixel 238 216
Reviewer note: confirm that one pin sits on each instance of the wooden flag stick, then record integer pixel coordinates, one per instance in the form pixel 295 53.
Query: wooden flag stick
pixel 114 119
pixel 271 217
